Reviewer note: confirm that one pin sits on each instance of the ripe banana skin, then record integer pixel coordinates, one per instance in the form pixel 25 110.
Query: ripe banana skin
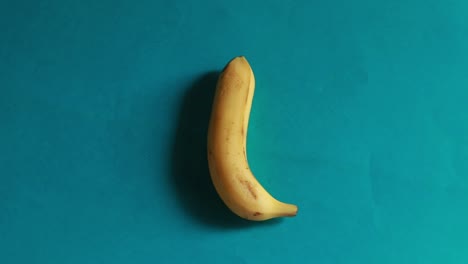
pixel 227 159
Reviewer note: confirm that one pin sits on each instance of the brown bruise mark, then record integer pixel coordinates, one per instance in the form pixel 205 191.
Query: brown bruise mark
pixel 257 214
pixel 249 187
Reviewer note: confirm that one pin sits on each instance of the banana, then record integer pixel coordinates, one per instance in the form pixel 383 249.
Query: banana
pixel 227 140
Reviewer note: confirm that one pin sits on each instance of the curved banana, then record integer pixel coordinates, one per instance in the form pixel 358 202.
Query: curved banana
pixel 227 159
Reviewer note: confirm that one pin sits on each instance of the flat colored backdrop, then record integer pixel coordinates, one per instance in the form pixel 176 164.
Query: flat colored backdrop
pixel 360 117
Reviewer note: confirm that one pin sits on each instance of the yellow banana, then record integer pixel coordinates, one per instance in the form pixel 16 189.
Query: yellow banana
pixel 227 159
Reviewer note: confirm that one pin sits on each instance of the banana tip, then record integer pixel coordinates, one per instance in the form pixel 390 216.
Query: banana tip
pixel 291 210
pixel 240 57
pixel 294 213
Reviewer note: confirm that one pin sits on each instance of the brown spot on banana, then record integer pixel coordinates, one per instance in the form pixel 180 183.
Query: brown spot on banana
pixel 249 187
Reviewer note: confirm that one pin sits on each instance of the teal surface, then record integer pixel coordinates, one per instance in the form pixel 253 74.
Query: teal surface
pixel 359 117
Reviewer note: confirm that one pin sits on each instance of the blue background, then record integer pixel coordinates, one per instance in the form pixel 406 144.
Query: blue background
pixel 359 117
